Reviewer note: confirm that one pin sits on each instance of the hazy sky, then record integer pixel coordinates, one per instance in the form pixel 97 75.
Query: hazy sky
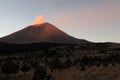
pixel 94 20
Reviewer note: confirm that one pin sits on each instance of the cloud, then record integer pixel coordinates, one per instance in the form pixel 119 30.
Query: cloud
pixel 101 14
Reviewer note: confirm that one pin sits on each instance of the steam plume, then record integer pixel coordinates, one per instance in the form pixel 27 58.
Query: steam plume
pixel 39 20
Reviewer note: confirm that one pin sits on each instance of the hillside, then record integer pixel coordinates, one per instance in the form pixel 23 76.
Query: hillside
pixel 45 32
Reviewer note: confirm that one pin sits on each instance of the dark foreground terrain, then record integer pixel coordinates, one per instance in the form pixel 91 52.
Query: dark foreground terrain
pixel 57 61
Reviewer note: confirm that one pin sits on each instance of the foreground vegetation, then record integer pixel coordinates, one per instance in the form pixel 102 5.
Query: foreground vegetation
pixel 41 62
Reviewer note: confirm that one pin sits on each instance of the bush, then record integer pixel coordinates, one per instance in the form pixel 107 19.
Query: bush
pixel 25 68
pixel 9 68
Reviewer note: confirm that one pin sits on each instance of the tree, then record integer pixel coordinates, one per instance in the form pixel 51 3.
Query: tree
pixel 49 77
pixel 55 64
pixel 25 67
pixel 68 63
pixel 9 68
pixel 40 73
pixel 35 65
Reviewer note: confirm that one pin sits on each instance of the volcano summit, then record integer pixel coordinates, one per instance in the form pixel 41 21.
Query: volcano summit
pixel 44 32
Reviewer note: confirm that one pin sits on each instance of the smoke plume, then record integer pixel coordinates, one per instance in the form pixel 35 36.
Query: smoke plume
pixel 39 20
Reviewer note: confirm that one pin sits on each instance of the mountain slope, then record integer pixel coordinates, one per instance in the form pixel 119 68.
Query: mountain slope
pixel 45 32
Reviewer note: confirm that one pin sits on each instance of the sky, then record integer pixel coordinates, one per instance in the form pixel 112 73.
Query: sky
pixel 93 20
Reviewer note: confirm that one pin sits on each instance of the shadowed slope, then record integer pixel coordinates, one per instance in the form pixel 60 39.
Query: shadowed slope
pixel 45 32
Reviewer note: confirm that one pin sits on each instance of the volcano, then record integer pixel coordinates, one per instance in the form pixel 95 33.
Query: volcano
pixel 44 32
